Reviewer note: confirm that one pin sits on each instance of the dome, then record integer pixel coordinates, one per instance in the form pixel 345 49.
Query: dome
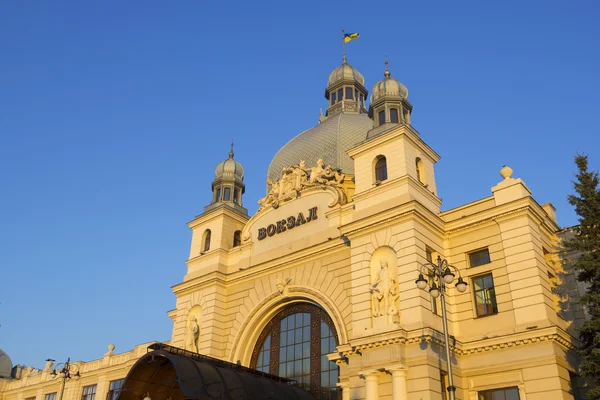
pixel 5 365
pixel 230 168
pixel 330 140
pixel 345 71
pixel 388 87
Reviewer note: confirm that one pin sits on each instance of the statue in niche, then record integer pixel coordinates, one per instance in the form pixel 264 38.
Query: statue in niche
pixel 193 332
pixel 383 292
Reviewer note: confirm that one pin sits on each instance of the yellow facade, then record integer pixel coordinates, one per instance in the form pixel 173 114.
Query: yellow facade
pixel 322 237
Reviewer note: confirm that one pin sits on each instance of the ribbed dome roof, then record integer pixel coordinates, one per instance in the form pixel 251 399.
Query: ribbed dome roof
pixel 5 365
pixel 229 168
pixel 345 71
pixel 388 87
pixel 330 140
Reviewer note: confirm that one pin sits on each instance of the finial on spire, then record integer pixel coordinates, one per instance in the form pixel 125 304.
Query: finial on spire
pixel 231 150
pixel 387 69
pixel 344 61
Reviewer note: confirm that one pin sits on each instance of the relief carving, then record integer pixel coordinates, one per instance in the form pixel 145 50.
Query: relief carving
pixel 297 178
pixel 282 286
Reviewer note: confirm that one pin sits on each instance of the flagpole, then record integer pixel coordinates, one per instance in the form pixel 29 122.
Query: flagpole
pixel 344 47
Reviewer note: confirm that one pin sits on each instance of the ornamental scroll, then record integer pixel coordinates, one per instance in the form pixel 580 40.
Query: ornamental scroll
pixel 298 178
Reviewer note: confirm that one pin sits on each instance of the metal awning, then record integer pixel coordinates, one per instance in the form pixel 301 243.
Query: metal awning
pixel 167 372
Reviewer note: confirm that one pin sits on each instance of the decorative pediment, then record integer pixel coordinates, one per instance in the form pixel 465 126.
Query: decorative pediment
pixel 298 178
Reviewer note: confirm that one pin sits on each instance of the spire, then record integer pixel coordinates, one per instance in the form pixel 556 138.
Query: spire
pixel 387 69
pixel 231 151
pixel 344 61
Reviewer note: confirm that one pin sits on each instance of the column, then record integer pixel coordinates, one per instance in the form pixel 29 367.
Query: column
pixel 399 389
pixel 371 378
pixel 345 386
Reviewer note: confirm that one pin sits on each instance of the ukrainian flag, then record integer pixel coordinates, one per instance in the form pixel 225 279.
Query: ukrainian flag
pixel 348 37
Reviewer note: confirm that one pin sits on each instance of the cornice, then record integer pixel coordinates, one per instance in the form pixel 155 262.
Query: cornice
pixel 402 130
pixel 429 335
pixel 218 212
pixel 390 216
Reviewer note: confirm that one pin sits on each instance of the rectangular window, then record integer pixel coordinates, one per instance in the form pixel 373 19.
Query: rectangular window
pixel 226 194
pixel 235 195
pixel 50 396
pixel 340 95
pixel 444 383
pixel 362 99
pixel 333 97
pixel 511 393
pixel 218 198
pixel 349 93
pixel 394 115
pixel 479 257
pixel 485 295
pixel 356 94
pixel 89 392
pixel 381 117
pixel 114 389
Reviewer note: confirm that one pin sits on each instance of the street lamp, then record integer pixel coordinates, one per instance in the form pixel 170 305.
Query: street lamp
pixel 442 276
pixel 66 371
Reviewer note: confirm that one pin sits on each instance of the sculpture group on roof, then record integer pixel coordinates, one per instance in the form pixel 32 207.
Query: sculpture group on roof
pixel 297 178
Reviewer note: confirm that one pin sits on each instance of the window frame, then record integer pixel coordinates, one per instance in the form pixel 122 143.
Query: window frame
pixel 481 393
pixel 206 237
pixel 470 253
pixel 340 94
pixel 475 291
pixel 378 167
pixel 333 97
pixel 273 329
pixel 381 114
pixel 394 111
pixel 349 91
pixel 112 392
pixel 237 238
pixel 50 396
pixel 227 194
pixel 89 396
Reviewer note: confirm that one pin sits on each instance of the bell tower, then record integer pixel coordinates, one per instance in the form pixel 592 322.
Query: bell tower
pixel 394 160
pixel 219 228
pixel 345 91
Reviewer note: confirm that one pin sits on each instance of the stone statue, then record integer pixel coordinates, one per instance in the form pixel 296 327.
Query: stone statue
pixel 383 292
pixel 282 286
pixel 296 178
pixel 49 365
pixel 193 332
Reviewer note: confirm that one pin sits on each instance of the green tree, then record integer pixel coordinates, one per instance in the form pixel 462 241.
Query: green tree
pixel 586 243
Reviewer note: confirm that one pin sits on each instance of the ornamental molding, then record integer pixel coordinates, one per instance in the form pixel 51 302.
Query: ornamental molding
pixel 299 178
pixel 459 349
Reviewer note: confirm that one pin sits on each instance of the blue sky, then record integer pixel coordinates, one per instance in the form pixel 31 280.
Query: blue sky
pixel 114 115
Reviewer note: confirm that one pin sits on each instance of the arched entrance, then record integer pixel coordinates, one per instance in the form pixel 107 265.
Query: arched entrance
pixel 294 344
pixel 171 373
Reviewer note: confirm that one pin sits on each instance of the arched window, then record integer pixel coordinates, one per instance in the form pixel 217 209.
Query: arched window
pixel 394 115
pixel 295 344
pixel 237 238
pixel 420 170
pixel 206 240
pixel 381 169
pixel 226 194
pixel 381 117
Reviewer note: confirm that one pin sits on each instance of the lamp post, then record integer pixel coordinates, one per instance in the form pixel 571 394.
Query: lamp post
pixel 66 371
pixel 442 274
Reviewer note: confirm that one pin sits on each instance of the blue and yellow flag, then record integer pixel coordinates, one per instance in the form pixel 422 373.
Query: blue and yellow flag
pixel 350 36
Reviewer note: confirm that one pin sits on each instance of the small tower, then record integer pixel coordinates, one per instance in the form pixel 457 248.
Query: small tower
pixel 219 227
pixel 393 158
pixel 228 186
pixel 345 91
pixel 389 101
